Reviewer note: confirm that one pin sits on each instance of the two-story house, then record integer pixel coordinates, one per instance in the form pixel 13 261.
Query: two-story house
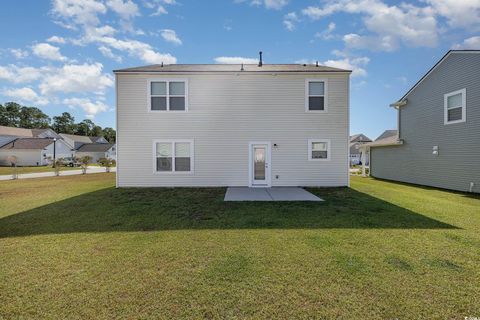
pixel 356 141
pixel 232 125
pixel 437 142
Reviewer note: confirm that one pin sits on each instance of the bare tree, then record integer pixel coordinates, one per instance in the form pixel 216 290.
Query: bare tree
pixel 13 163
pixel 84 162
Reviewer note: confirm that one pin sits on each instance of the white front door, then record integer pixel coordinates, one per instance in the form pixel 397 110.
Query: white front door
pixel 260 164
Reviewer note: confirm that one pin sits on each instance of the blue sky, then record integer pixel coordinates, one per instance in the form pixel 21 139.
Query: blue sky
pixel 58 55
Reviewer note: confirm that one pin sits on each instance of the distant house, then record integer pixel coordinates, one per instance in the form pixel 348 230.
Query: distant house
pixel 38 147
pixel 97 151
pixel 356 141
pixel 76 141
pixel 438 128
pixel 95 147
pixel 32 151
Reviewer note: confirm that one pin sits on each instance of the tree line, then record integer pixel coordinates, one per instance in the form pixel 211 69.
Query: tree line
pixel 13 114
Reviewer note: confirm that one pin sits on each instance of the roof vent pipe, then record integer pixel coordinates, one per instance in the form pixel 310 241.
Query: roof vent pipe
pixel 161 64
pixel 260 62
pixel 241 69
pixel 316 64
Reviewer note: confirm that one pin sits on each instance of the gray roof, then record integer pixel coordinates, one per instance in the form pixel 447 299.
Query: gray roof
pixel 78 138
pixel 388 141
pixel 95 147
pixel 6 139
pixel 14 131
pixel 387 134
pixel 28 143
pixel 173 68
pixel 360 138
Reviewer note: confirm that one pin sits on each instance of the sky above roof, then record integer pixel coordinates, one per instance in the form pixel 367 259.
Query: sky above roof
pixel 58 55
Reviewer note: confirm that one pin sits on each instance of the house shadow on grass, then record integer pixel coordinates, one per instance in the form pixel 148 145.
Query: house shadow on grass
pixel 150 209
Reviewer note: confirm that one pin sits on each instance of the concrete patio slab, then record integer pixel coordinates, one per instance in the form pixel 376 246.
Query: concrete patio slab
pixel 247 194
pixel 291 194
pixel 269 194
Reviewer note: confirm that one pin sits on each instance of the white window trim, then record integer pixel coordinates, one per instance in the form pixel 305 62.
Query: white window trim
pixel 464 106
pixel 167 80
pixel 325 95
pixel 172 142
pixel 327 141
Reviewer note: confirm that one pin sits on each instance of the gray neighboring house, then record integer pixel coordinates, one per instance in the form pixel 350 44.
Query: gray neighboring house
pixel 97 151
pixel 437 143
pixel 31 147
pixel 95 147
pixel 356 141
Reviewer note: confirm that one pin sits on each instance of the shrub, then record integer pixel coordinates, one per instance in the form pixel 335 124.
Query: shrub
pixel 107 163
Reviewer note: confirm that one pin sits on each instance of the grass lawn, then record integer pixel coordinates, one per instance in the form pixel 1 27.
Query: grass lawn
pixel 77 248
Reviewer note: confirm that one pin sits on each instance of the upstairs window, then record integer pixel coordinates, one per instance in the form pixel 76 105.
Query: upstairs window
pixel 318 150
pixel 316 97
pixel 173 156
pixel 455 107
pixel 168 95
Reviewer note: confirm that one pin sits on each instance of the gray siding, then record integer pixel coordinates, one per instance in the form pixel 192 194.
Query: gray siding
pixel 422 127
pixel 225 113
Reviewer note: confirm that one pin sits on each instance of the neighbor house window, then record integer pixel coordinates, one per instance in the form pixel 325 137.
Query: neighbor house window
pixel 173 155
pixel 316 95
pixel 318 149
pixel 455 106
pixel 168 95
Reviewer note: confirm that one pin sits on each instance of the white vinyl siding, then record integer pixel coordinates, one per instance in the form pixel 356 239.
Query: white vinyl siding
pixel 167 95
pixel 455 107
pixel 225 113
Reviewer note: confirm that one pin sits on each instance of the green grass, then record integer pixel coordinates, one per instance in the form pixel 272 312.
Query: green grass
pixel 77 248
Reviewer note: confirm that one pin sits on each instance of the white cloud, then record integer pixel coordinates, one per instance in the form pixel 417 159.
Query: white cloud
pixel 459 13
pixel 275 4
pixel 472 43
pixel 374 43
pixel 139 49
pixel 235 60
pixel 126 10
pixel 19 53
pixel 91 108
pixel 269 4
pixel 25 94
pixel 56 39
pixel 47 51
pixel 159 6
pixel 81 78
pixel 170 36
pixel 357 65
pixel 107 52
pixel 327 33
pixel 15 74
pixel 86 14
pixel 83 12
pixel 289 20
pixel 414 26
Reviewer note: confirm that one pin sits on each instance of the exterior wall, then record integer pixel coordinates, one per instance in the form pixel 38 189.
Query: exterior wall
pixel 62 150
pixel 422 127
pixel 24 157
pixel 225 113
